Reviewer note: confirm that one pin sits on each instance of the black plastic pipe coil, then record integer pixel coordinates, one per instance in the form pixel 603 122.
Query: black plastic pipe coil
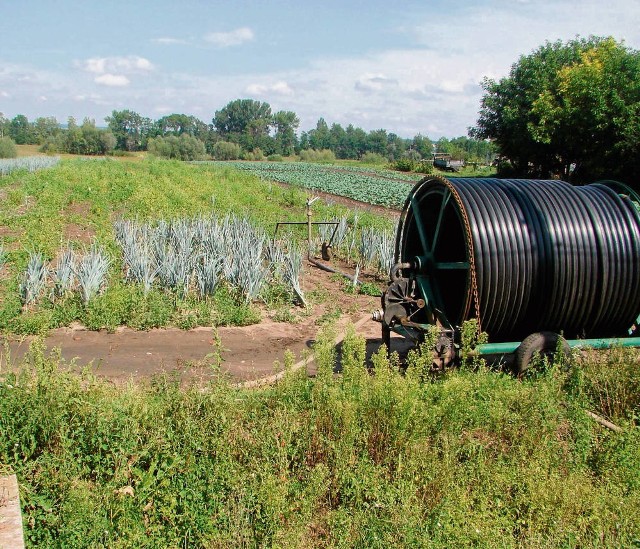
pixel 548 255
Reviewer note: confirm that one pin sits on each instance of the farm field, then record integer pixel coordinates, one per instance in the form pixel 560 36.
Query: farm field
pixel 366 458
pixel 366 184
pixel 80 202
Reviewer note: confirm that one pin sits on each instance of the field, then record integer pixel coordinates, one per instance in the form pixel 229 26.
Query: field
pixel 380 187
pixel 367 457
pixel 81 202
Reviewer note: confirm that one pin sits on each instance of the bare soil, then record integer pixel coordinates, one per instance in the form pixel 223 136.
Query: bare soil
pixel 245 353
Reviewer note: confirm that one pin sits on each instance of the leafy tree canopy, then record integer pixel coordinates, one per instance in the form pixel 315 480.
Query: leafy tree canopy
pixel 130 129
pixel 568 109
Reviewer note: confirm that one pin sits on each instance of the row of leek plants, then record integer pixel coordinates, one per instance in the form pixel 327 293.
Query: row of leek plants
pixel 198 254
pixel 186 256
pixel 368 248
pixel 29 163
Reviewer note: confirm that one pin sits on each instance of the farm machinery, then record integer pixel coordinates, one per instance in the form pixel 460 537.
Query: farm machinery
pixel 527 259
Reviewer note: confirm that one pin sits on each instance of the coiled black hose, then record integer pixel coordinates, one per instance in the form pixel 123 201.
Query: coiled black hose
pixel 546 255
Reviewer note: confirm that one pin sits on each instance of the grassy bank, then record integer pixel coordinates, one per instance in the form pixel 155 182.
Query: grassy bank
pixel 473 458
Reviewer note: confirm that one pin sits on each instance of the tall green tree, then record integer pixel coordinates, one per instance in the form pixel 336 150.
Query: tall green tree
pixel 246 122
pixel 569 109
pixel 178 124
pixel 320 137
pixel 130 129
pixel 356 142
pixel 285 124
pixel 377 141
pixel 45 127
pixel 422 145
pixel 21 131
pixel 338 140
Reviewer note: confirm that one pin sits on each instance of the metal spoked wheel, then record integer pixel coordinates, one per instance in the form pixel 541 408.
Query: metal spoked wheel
pixel 431 238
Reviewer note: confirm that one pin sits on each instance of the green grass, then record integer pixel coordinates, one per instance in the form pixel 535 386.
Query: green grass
pixel 473 458
pixel 39 208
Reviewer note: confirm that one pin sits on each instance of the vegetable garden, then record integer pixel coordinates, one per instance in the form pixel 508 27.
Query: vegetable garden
pixel 160 243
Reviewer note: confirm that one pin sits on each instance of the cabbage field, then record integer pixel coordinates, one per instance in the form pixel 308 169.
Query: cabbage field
pixel 373 186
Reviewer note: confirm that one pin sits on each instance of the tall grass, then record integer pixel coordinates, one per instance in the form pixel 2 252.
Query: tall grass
pixel 366 458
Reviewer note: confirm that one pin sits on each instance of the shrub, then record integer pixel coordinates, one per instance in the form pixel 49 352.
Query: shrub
pixel 275 158
pixel 424 166
pixel 87 139
pixel 312 155
pixel 404 165
pixel 224 150
pixel 373 158
pixel 184 147
pixel 7 148
pixel 256 154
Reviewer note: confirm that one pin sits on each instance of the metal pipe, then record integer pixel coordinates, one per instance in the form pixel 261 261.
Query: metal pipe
pixel 601 343
pixel 332 270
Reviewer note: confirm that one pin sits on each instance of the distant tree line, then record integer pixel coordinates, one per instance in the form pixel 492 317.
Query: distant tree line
pixel 244 128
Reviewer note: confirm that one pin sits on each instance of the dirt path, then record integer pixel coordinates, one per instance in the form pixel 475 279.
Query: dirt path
pixel 245 353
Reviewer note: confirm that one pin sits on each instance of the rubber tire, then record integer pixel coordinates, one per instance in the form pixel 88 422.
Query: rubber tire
pixel 544 343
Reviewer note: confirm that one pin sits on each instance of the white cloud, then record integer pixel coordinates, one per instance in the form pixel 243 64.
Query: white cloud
pixel 4 94
pixel 278 88
pixel 168 41
pixel 374 83
pixel 232 38
pixel 104 65
pixel 113 80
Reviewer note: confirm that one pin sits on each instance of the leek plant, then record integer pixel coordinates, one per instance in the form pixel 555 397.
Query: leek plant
pixel 92 272
pixel 34 279
pixel 292 268
pixel 63 275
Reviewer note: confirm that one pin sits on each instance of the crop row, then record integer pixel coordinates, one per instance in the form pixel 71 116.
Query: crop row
pixel 29 163
pixel 364 186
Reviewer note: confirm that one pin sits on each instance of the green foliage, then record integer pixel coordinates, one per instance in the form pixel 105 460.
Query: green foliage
pixel 223 150
pixel 179 124
pixel 246 122
pixel 424 167
pixel 321 156
pixel 285 124
pixel 368 288
pixel 253 155
pixel 569 109
pixel 130 130
pixel 404 165
pixel 86 140
pixel 183 147
pixel 7 148
pixel 362 458
pixel 373 158
pixel 613 392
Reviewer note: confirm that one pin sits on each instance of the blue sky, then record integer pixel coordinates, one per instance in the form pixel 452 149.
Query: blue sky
pixel 409 67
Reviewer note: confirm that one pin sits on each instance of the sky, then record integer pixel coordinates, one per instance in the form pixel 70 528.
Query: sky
pixel 409 67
